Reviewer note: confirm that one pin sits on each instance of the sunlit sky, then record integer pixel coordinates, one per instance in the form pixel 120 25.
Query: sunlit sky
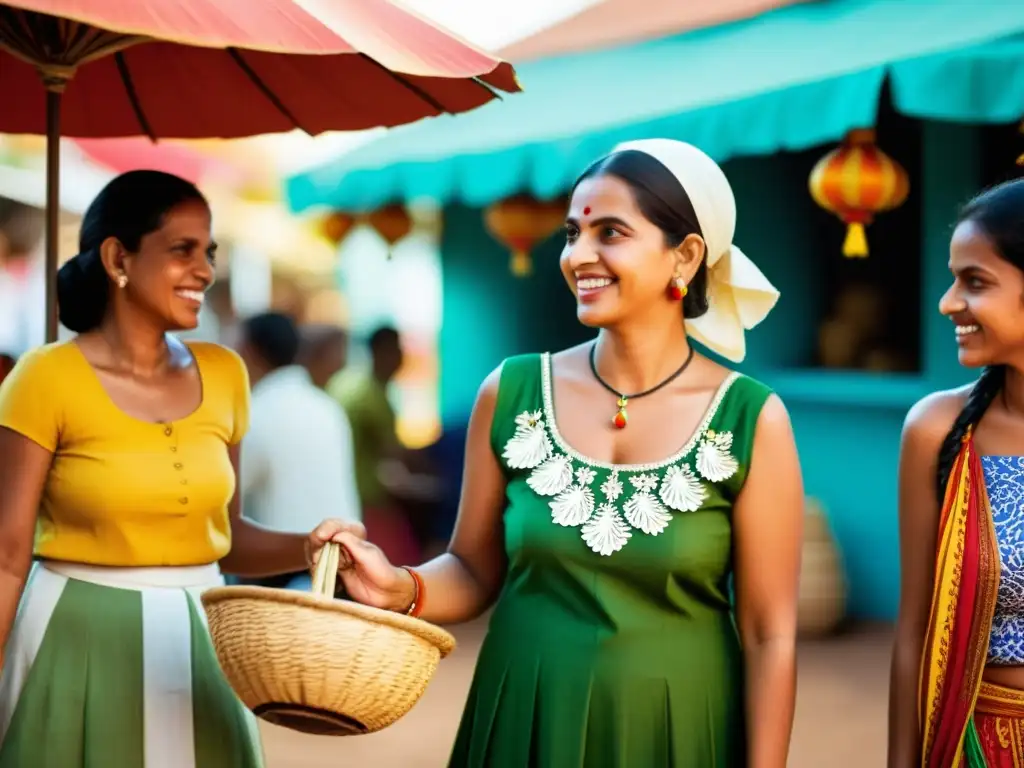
pixel 494 24
pixel 491 24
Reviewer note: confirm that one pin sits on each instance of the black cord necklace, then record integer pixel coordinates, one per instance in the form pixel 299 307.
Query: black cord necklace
pixel 620 419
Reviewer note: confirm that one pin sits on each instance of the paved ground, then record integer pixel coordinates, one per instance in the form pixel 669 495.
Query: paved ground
pixel 840 721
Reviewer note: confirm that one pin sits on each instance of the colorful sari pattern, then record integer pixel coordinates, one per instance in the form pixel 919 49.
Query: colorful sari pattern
pixel 963 604
pixel 999 725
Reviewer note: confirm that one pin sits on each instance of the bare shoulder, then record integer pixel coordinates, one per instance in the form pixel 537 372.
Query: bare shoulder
pixel 488 391
pixel 929 420
pixel 774 416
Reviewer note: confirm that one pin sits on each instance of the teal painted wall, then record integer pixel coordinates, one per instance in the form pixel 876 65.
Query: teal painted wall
pixel 488 314
pixel 847 424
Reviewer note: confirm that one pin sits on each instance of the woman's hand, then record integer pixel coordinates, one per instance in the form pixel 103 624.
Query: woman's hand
pixel 367 575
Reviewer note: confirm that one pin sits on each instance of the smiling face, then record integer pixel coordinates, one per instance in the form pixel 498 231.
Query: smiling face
pixel 986 300
pixel 617 262
pixel 169 273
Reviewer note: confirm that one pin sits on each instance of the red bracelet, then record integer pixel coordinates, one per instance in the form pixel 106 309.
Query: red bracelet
pixel 421 591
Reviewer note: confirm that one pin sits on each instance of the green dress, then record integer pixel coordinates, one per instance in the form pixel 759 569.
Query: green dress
pixel 612 644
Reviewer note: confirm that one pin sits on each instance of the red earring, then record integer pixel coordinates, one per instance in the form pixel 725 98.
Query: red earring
pixel 677 289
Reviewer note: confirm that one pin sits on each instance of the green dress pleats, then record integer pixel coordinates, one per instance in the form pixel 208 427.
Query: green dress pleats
pixel 226 735
pixel 85 692
pixel 82 702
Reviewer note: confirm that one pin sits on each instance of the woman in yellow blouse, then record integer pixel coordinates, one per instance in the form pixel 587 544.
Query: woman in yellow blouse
pixel 119 456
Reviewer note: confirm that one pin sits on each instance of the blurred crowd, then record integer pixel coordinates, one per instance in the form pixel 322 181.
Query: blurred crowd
pixel 323 439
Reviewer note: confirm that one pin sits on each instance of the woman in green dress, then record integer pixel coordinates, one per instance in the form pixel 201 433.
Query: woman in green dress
pixel 609 552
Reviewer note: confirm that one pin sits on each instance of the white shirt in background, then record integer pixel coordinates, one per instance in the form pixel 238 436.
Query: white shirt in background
pixel 297 462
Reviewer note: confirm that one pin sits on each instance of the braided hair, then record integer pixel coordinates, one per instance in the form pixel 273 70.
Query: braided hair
pixel 999 214
pixel 984 391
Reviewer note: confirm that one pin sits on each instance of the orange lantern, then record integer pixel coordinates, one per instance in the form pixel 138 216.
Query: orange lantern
pixel 392 222
pixel 519 223
pixel 855 181
pixel 335 226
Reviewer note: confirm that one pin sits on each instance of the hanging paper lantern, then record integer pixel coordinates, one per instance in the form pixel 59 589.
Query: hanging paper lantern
pixel 335 226
pixel 855 181
pixel 392 222
pixel 519 223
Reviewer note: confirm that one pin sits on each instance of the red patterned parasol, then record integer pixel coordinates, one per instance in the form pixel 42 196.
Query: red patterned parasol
pixel 216 69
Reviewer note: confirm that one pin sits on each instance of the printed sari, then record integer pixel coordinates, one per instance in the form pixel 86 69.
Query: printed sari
pixel 956 643
pixel 999 725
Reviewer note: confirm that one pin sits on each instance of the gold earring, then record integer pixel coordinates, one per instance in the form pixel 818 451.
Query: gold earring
pixel 122 280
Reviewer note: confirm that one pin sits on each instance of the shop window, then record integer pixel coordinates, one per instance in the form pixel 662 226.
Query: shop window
pixel 1001 145
pixel 866 312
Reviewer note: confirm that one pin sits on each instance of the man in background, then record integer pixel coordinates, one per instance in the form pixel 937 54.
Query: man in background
pixel 297 460
pixel 363 395
pixel 379 454
pixel 323 352
pixel 22 278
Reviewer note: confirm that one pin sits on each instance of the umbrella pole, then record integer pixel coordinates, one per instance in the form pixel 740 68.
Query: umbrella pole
pixel 54 92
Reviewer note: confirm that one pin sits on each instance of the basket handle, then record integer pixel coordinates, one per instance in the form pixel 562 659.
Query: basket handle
pixel 325 573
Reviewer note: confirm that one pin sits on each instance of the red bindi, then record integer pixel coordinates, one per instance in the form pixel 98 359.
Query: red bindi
pixel 586 211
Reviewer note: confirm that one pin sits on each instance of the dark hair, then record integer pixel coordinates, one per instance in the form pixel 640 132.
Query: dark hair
pixel 131 206
pixel 999 214
pixel 663 202
pixel 274 336
pixel 384 338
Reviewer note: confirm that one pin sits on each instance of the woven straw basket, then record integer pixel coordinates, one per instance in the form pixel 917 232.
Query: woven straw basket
pixel 315 664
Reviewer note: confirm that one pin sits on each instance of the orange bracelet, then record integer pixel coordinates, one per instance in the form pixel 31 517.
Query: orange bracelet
pixel 421 591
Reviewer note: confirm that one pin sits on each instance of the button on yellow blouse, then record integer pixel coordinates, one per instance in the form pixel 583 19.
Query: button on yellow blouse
pixel 121 491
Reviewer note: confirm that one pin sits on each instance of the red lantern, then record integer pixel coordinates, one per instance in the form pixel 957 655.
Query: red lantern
pixel 335 226
pixel 855 181
pixel 519 223
pixel 392 222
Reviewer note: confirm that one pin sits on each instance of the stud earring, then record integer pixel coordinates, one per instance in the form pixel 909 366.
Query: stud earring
pixel 122 281
pixel 677 289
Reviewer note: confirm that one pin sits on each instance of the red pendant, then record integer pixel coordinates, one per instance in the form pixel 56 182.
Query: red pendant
pixel 620 419
pixel 675 292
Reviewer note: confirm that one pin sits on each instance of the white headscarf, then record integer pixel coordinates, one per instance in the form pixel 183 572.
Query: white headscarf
pixel 739 295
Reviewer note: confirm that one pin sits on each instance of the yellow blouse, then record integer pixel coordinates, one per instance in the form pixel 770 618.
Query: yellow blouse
pixel 121 491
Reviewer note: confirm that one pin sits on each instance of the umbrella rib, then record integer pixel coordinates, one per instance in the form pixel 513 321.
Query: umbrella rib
pixel 410 86
pixel 133 95
pixel 236 55
pixel 495 93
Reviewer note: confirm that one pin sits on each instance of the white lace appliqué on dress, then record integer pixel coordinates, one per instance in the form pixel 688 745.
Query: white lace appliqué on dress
pixel 643 510
pixel 713 458
pixel 530 445
pixel 606 525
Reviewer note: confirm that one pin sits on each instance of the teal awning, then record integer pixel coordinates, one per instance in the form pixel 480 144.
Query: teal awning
pixel 981 84
pixel 789 79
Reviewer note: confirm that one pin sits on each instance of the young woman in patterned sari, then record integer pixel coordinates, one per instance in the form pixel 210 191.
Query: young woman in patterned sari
pixel 957 696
